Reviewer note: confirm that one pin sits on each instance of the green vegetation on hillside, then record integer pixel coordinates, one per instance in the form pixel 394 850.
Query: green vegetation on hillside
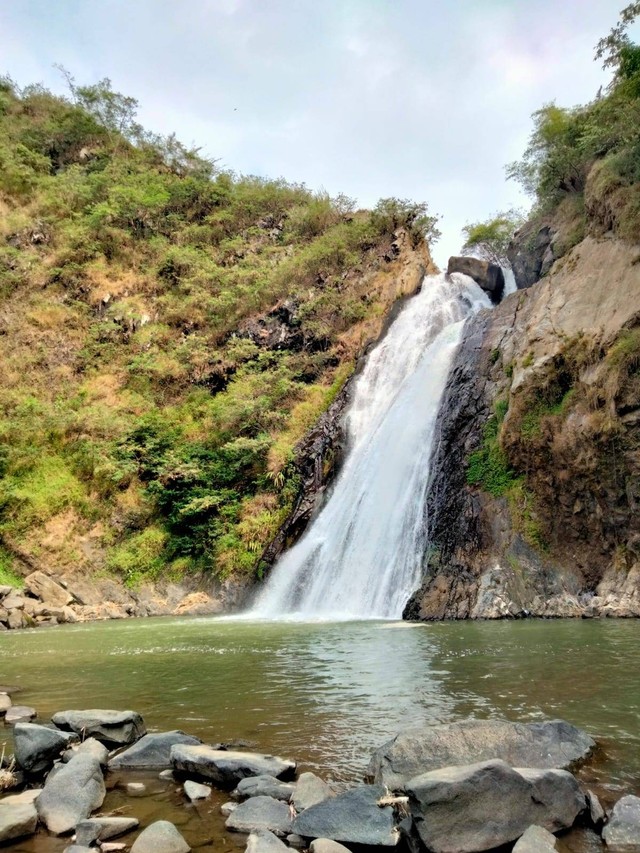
pixel 147 415
pixel 587 159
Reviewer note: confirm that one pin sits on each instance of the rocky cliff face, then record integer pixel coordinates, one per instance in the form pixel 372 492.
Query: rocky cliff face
pixel 536 482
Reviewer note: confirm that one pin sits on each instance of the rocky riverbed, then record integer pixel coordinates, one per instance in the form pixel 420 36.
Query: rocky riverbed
pixel 454 788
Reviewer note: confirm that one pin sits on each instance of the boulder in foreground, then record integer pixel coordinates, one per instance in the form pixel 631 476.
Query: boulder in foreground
pixel 227 767
pixel 623 830
pixel 17 820
pixel 113 728
pixel 264 841
pixel 482 806
pixel 555 743
pixel 37 747
pixel 71 794
pixel 536 840
pixel 353 818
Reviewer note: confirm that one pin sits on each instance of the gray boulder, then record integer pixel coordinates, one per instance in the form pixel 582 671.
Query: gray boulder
pixel 160 837
pixel 44 587
pixel 309 791
pixel 19 714
pixel 264 786
pixel 259 813
pixel 264 841
pixel 36 747
pixel 92 747
pixel 536 840
pixel 227 767
pixel 17 820
pixel 353 818
pixel 71 794
pixel 152 752
pixel 482 806
pixel 414 751
pixel 488 276
pixel 113 728
pixel 102 828
pixel 623 830
pixel 196 791
pixel 325 845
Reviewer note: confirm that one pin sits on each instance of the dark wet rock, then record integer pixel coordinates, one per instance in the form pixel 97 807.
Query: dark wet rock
pixel 160 837
pixel 17 820
pixel 196 791
pixel 151 752
pixel 536 840
pixel 555 743
pixel 113 728
pixel 264 786
pixel 326 845
pixel 264 841
pixel 488 276
pixel 260 813
pixel 353 818
pixel 309 791
pixel 531 253
pixel 227 767
pixel 622 832
pixel 19 714
pixel 37 747
pixel 596 812
pixel 485 805
pixel 71 794
pixel 102 828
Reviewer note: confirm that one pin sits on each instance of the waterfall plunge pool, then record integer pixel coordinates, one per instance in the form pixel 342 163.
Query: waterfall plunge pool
pixel 327 694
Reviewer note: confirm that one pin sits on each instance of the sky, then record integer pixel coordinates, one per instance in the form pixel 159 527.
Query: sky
pixel 419 99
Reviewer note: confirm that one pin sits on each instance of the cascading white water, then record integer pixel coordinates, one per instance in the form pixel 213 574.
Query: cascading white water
pixel 362 555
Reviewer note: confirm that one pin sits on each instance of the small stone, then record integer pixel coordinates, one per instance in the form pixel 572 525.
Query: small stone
pixel 112 846
pixel 19 714
pixel 264 786
pixel 535 840
pixel 166 776
pixel 160 837
pixel 196 791
pixel 5 703
pixel 136 789
pixel 296 841
pixel 309 791
pixel 103 828
pixel 227 808
pixel 596 812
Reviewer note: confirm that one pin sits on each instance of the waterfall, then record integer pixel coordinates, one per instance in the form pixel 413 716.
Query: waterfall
pixel 362 556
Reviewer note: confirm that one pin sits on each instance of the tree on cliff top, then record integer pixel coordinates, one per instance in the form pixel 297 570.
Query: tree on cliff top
pixel 490 239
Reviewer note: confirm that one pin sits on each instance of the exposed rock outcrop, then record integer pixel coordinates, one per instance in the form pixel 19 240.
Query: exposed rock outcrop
pixel 544 400
pixel 487 275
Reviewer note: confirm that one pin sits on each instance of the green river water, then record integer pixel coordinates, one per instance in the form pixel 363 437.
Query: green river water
pixel 327 694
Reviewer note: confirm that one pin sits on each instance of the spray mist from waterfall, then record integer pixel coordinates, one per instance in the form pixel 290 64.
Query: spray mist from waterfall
pixel 363 554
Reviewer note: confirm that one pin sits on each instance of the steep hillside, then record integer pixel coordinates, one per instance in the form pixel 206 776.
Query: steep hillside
pixel 169 333
pixel 535 489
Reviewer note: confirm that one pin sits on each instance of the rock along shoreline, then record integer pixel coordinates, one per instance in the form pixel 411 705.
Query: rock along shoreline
pixel 455 788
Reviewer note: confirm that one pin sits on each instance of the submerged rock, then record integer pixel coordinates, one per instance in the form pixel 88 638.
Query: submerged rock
pixel 353 818
pixel 196 791
pixel 623 830
pixel 485 805
pixel 227 767
pixel 71 794
pixel 160 837
pixel 17 820
pixel 260 813
pixel 151 752
pixel 309 791
pixel 19 714
pixel 555 743
pixel 265 786
pixel 37 747
pixel 113 728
